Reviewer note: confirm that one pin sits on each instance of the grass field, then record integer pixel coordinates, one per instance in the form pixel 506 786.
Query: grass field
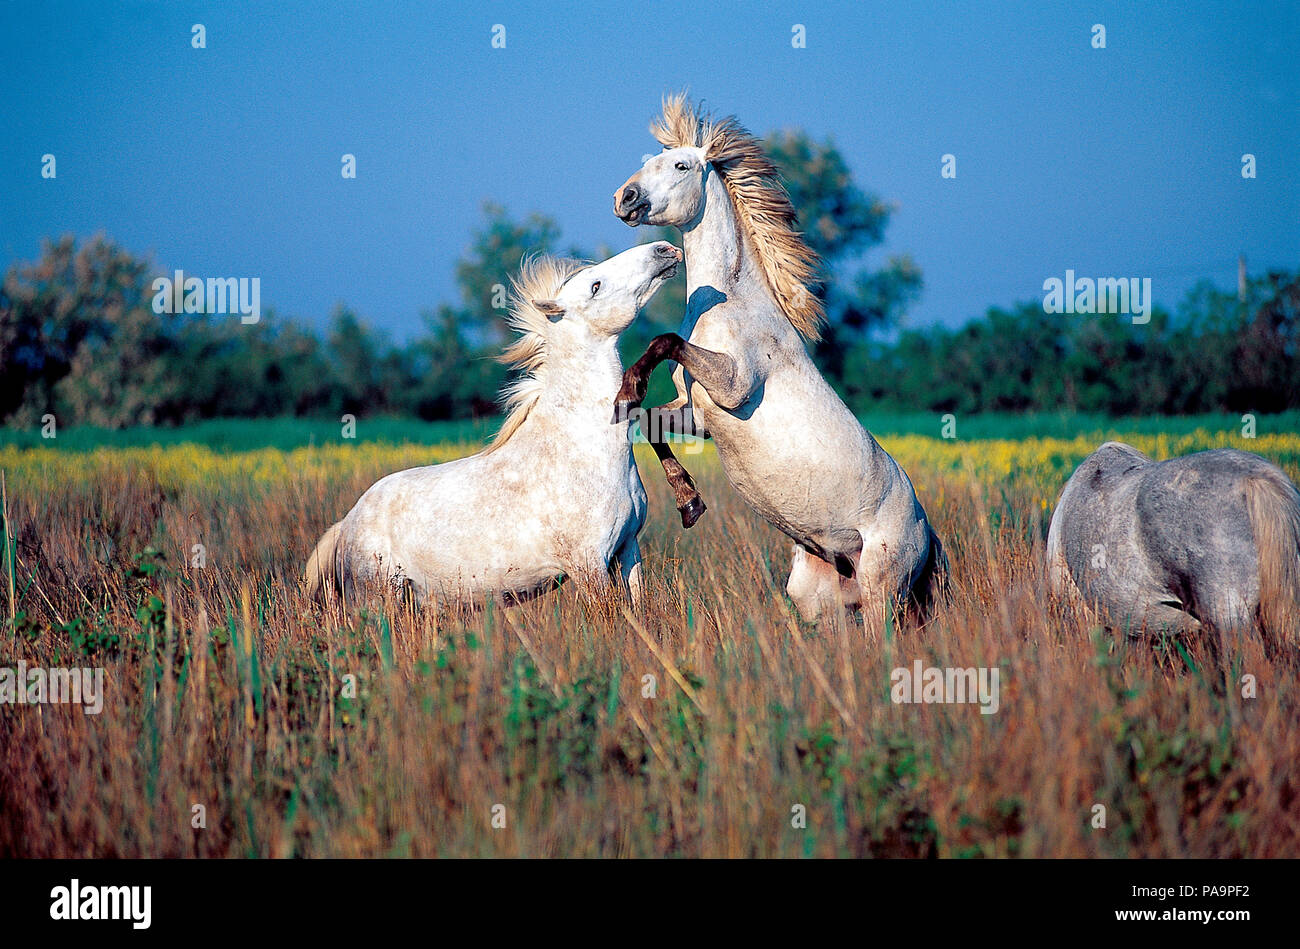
pixel 227 690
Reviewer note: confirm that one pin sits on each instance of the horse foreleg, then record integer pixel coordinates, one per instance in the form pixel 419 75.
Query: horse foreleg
pixel 629 565
pixel 636 378
pixel 658 424
pixel 719 373
pixel 593 579
pixel 721 379
pixel 687 497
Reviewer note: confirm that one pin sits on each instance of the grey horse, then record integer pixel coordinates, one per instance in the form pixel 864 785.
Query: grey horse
pixel 1206 541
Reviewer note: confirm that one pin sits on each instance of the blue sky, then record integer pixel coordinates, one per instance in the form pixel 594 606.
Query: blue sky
pixel 225 161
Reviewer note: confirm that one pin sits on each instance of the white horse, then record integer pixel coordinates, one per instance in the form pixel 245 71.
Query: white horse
pixel 556 494
pixel 787 442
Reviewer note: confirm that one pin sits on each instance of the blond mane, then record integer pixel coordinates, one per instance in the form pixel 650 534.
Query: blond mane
pixel 762 205
pixel 539 278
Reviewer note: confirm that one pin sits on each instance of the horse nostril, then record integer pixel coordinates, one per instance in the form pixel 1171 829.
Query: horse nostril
pixel 630 195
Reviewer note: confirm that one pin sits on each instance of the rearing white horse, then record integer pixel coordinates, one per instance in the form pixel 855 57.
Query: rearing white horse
pixel 787 442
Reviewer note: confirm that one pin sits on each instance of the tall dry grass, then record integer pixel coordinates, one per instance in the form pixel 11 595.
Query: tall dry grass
pixel 225 689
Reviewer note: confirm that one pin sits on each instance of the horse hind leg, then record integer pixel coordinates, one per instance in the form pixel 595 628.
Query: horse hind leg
pixel 895 580
pixel 932 586
pixel 817 587
pixel 1165 616
pixel 1227 616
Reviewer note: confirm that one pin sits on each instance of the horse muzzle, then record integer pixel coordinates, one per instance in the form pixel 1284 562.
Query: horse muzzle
pixel 631 205
pixel 671 256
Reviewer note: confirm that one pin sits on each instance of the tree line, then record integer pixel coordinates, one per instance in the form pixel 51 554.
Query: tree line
pixel 80 339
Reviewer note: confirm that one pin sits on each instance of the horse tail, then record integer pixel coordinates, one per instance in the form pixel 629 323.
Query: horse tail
pixel 1273 505
pixel 322 564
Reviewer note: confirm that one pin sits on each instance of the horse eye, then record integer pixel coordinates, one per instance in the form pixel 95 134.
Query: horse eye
pixel 682 166
pixel 595 287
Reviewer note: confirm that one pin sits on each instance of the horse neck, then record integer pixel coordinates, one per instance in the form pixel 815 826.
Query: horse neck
pixel 720 258
pixel 578 389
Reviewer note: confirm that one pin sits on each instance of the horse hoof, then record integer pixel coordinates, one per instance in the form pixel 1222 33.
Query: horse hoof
pixel 691 511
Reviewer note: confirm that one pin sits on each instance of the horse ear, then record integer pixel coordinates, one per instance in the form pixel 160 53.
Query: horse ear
pixel 552 310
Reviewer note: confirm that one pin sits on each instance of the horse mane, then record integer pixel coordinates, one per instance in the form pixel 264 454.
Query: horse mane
pixel 539 278
pixel 762 205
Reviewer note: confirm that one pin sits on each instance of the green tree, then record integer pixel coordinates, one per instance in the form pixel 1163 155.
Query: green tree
pixel 271 368
pixel 1267 355
pixel 370 373
pixel 79 338
pixel 450 378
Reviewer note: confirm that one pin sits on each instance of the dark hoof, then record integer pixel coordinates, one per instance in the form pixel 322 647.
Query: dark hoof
pixel 691 511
